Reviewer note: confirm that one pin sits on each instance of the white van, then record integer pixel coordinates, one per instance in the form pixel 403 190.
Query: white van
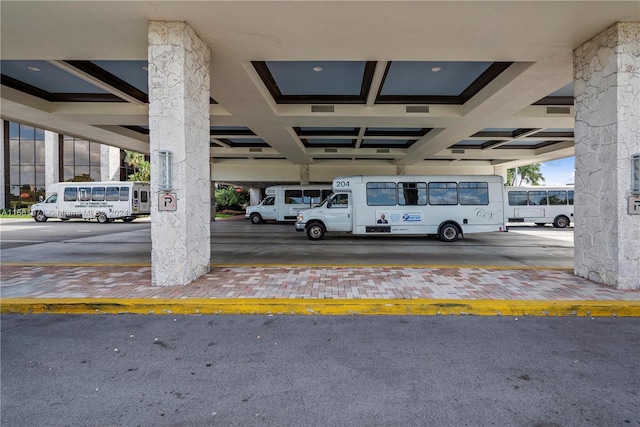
pixel 447 206
pixel 282 202
pixel 104 201
pixel 540 205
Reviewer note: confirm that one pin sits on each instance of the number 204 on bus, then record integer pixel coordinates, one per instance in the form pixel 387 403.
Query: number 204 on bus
pixel 446 206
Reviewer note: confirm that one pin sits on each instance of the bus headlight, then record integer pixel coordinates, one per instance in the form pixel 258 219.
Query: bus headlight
pixel 300 216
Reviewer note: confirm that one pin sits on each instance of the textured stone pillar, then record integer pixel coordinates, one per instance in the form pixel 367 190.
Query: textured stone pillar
pixel 51 158
pixel 109 163
pixel 304 175
pixel 179 92
pixel 254 196
pixel 607 133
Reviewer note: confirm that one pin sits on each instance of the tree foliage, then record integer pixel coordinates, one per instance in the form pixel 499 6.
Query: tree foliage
pixel 530 174
pixel 230 197
pixel 141 167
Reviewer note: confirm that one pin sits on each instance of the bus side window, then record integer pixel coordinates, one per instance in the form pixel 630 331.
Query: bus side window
pixel 412 193
pixel 97 194
pixel 443 193
pixel 144 197
pixel 135 194
pixel 70 194
pixel 571 197
pixel 52 199
pixel 538 198
pixel 269 201
pixel 293 197
pixel 474 193
pixel 124 194
pixel 84 194
pixel 517 198
pixel 311 197
pixel 557 197
pixel 325 194
pixel 381 194
pixel 113 194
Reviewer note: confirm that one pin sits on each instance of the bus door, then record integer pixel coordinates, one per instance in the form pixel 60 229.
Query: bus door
pixel 338 214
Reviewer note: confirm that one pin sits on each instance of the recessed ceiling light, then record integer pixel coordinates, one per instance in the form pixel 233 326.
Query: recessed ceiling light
pixel 317 69
pixel 436 69
pixel 33 68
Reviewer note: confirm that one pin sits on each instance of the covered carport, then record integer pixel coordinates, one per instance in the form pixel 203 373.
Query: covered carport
pixel 302 92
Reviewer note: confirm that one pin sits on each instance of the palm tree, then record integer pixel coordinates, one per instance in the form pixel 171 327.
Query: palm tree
pixel 530 174
pixel 141 168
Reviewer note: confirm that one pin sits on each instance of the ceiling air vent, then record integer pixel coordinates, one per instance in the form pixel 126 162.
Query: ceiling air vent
pixel 322 108
pixel 382 150
pixel 330 150
pixel 255 150
pixel 558 110
pixel 417 109
pixel 457 151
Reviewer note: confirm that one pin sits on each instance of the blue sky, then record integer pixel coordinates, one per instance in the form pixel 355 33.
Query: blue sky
pixel 559 172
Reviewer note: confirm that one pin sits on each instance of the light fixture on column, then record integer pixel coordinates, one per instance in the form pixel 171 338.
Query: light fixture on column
pixel 635 174
pixel 165 176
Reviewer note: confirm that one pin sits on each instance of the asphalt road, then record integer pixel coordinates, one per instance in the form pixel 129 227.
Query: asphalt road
pixel 240 242
pixel 127 370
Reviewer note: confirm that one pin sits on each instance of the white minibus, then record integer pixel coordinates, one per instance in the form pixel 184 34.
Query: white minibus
pixel 104 201
pixel 447 206
pixel 540 205
pixel 282 202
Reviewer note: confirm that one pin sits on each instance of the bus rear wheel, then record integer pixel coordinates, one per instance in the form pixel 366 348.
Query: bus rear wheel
pixel 102 218
pixel 561 222
pixel 315 231
pixel 448 233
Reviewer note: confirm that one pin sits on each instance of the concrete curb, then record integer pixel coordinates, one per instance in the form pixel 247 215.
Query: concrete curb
pixel 417 307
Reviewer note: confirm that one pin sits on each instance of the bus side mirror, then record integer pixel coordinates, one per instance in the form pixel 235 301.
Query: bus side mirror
pixel 329 203
pixel 40 199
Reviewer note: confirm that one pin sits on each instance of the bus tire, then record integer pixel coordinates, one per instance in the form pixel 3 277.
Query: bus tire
pixel 315 231
pixel 40 217
pixel 255 218
pixel 561 221
pixel 449 232
pixel 102 218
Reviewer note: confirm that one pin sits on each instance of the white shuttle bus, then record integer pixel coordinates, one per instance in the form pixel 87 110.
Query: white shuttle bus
pixel 282 202
pixel 540 205
pixel 446 206
pixel 103 201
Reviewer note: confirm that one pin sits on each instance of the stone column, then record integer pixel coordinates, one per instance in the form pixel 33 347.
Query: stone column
pixel 109 163
pixel 607 134
pixel 179 92
pixel 51 158
pixel 254 196
pixel 304 175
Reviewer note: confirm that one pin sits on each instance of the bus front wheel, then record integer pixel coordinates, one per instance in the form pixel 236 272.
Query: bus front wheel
pixel 315 231
pixel 40 217
pixel 449 233
pixel 255 218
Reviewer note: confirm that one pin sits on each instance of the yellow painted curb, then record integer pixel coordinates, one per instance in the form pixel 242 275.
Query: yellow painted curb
pixel 418 307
